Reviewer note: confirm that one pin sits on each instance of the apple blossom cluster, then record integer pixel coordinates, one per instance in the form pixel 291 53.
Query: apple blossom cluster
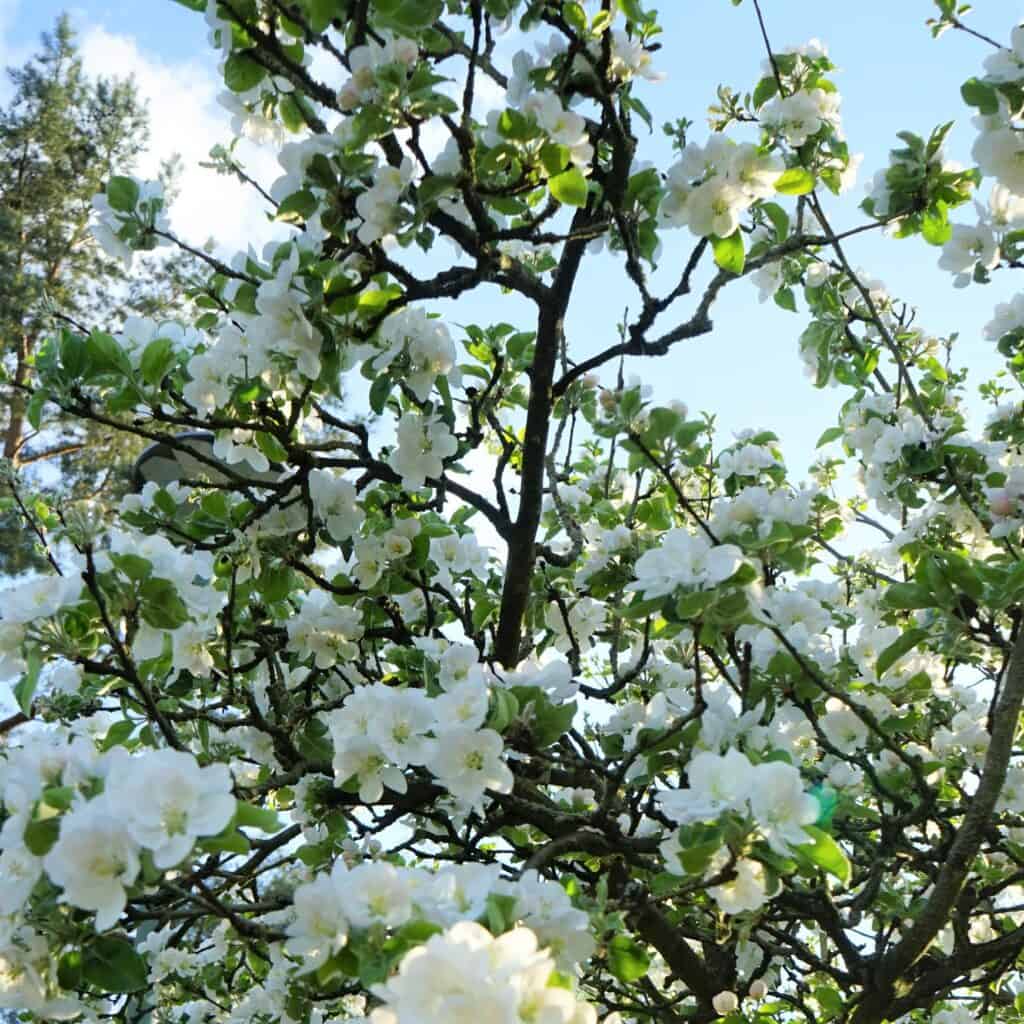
pixel 1006 495
pixel 368 61
pixel 377 894
pixel 756 510
pixel 973 249
pixel 424 442
pixel 794 619
pixel 466 970
pixel 801 114
pixel 417 347
pixel 271 337
pixel 380 731
pixel 685 559
pixel 770 793
pixel 882 432
pixel 710 187
pixel 118 806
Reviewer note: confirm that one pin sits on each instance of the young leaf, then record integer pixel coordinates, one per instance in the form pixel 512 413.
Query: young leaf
pixel 25 688
pixel 795 182
pixel 122 193
pixel 826 853
pixel 111 964
pixel 907 642
pixel 242 73
pixel 627 959
pixel 729 254
pixel 569 187
pixel 981 95
pixel 250 816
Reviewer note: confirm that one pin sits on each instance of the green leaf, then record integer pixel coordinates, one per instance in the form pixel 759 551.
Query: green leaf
pixel 275 582
pixel 271 447
pixel 69 966
pixel 41 835
pixel 575 15
pixel 433 187
pixel 72 353
pixel 250 816
pixel 640 609
pixel 122 193
pixel 935 226
pixel 662 422
pixel 291 114
pixel 380 389
pixel 627 959
pixel 632 10
pixel 785 299
pixel 515 125
pixel 688 432
pixel 981 95
pixel 554 157
pixel 59 797
pixel 764 91
pixel 157 358
pixel 408 16
pixel 321 13
pixel 907 642
pixel 907 596
pixel 779 218
pixel 729 254
pixel 963 573
pixel 504 708
pixel 930 577
pixel 112 964
pixel 795 182
pixel 117 734
pixel 25 688
pixel 106 355
pixel 696 857
pixel 242 73
pixel 569 187
pixel 551 721
pixel 229 841
pixel 314 742
pixel 34 412
pixel 824 852
pixel 692 606
pixel 373 300
pixel 161 606
pixel 298 206
pixel 828 436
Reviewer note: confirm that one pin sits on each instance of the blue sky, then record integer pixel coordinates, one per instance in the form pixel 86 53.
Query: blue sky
pixel 894 76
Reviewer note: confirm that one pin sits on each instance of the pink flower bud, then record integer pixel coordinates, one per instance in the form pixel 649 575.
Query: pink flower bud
pixel 1001 504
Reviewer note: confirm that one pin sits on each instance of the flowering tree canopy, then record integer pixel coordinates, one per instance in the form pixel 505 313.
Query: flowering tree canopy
pixel 444 677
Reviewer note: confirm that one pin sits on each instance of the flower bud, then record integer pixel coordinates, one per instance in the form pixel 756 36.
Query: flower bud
pixel 725 1003
pixel 758 989
pixel 1001 504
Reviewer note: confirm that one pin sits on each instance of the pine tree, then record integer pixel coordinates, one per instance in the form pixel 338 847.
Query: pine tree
pixel 61 136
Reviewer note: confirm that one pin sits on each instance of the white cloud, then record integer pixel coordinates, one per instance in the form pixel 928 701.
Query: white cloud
pixel 11 54
pixel 185 118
